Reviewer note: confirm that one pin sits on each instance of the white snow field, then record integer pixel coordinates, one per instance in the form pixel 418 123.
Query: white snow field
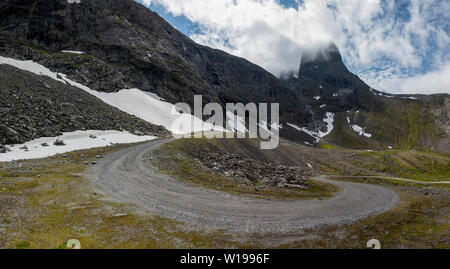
pixel 144 105
pixel 73 141
pixel 318 135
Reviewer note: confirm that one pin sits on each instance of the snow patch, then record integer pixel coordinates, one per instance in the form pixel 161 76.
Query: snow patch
pixel 73 52
pixel 144 105
pixel 330 124
pixel 308 132
pixel 77 140
pixel 273 126
pixel 317 98
pixel 318 135
pixel 358 129
pixel 236 123
pixel 322 106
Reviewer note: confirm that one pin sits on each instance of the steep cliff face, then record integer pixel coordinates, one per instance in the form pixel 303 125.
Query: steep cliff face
pixel 128 46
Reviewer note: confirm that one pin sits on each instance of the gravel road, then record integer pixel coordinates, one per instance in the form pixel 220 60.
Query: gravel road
pixel 127 176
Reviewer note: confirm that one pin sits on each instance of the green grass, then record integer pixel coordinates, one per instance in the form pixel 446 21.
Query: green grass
pixel 407 164
pixel 323 145
pixel 46 211
pixel 418 222
pixel 60 205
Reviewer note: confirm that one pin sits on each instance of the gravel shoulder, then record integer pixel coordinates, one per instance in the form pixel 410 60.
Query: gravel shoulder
pixel 127 176
pixel 398 179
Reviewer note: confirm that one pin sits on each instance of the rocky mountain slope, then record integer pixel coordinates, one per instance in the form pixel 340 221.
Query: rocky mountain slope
pixel 363 116
pixel 33 106
pixel 126 46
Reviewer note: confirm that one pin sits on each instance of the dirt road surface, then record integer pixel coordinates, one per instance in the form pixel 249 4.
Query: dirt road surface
pixel 127 176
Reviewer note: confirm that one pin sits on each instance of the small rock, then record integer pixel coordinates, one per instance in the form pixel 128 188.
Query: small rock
pixel 93 163
pixel 92 136
pixel 100 156
pixel 295 186
pixel 4 149
pixel 24 148
pixel 59 142
pixel 45 145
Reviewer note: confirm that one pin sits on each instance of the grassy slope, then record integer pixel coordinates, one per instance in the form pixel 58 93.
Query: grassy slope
pixel 403 124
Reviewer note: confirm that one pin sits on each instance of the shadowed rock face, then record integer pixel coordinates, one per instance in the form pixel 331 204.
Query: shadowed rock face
pixel 126 46
pixel 324 74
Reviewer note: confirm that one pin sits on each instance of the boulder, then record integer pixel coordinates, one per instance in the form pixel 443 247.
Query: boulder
pixel 59 142
pixel 295 186
pixel 4 149
pixel 11 135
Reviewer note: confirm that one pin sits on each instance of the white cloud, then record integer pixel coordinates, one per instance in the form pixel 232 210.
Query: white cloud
pixel 371 35
pixel 437 81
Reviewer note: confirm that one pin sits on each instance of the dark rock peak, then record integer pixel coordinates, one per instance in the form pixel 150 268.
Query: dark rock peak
pixel 329 53
pixel 324 69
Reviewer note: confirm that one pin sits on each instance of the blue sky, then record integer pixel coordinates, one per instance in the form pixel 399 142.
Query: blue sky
pixel 399 46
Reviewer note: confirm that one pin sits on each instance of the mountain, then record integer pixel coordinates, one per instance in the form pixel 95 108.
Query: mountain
pixel 125 46
pixel 129 46
pixel 365 117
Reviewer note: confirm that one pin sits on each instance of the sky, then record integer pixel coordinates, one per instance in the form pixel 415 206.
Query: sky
pixel 396 46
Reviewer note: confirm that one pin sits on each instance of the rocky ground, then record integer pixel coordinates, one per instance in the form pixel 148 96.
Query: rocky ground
pixel 252 171
pixel 34 106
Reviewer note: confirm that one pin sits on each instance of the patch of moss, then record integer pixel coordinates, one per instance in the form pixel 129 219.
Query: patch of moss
pixel 323 145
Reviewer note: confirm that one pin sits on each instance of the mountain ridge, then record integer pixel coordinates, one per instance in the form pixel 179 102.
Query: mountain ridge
pixel 128 46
